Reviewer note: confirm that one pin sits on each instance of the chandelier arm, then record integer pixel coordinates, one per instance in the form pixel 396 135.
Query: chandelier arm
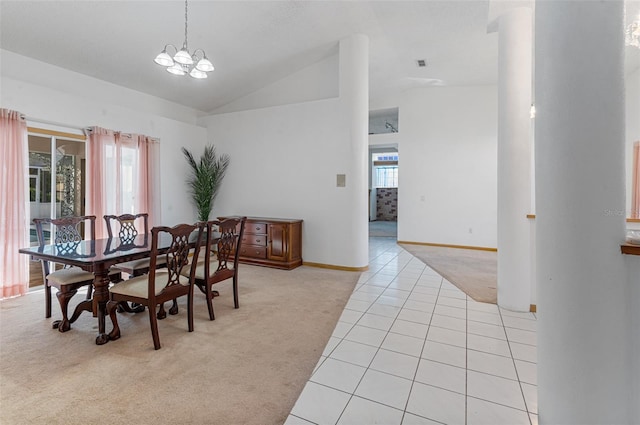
pixel 175 49
pixel 195 53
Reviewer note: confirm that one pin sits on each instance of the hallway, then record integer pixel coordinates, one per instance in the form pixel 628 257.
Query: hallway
pixel 412 349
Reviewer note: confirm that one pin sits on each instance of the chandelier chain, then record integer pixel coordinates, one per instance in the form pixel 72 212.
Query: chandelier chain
pixel 185 23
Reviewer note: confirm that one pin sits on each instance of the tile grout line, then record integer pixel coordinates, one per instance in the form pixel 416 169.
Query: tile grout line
pixel 378 348
pixel 404 410
pixel 403 266
pixel 513 360
pixel 343 339
pixel 466 365
pixel 424 343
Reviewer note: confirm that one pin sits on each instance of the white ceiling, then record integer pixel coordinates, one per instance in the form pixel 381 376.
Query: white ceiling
pixel 253 43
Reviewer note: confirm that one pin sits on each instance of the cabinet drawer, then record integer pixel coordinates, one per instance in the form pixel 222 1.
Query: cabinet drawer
pixel 253 227
pixel 253 251
pixel 249 239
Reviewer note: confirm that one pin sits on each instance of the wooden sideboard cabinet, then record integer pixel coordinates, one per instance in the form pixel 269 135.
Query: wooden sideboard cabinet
pixel 272 242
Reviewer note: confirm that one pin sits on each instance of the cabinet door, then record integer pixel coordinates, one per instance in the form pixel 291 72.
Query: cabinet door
pixel 278 244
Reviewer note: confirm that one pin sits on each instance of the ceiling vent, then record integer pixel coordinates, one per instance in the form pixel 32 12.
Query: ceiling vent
pixel 421 63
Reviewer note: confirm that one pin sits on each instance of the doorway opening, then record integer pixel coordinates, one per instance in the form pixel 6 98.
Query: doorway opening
pixel 57 182
pixel 383 200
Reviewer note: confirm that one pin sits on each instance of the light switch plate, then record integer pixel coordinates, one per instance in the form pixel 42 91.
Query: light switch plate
pixel 341 180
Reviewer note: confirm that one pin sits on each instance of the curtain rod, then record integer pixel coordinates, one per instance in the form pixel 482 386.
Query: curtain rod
pixel 122 133
pixel 41 121
pixel 85 130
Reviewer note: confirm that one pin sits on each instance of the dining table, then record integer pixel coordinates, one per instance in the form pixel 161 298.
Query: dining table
pixel 97 256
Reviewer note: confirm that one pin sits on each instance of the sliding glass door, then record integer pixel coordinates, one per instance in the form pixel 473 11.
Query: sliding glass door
pixel 56 175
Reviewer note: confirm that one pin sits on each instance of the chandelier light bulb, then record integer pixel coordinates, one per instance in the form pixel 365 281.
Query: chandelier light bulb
pixel 164 59
pixel 196 73
pixel 176 69
pixel 204 65
pixel 183 57
pixel 182 62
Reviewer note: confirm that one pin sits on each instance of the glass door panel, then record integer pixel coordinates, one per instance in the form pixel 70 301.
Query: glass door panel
pixel 56 179
pixel 56 183
pixel 69 169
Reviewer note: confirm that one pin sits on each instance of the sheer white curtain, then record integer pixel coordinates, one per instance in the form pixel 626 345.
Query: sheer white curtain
pixel 14 212
pixel 148 172
pixel 122 176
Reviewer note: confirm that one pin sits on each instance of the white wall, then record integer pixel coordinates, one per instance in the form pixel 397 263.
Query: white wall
pixel 378 124
pixel 49 93
pixel 632 88
pixel 633 270
pixel 285 157
pixel 315 82
pixel 284 162
pixel 632 262
pixel 447 150
pixel 383 140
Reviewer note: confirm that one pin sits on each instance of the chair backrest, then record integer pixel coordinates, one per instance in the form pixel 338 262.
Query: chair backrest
pixel 67 231
pixel 228 244
pixel 127 225
pixel 183 238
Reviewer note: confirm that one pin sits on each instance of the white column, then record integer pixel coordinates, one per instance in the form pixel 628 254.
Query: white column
pixel 354 97
pixel 584 317
pixel 514 158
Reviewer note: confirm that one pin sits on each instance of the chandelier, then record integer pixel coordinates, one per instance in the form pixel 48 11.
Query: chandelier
pixel 632 34
pixel 196 65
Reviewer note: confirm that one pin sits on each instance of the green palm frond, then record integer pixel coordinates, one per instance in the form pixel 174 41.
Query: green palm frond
pixel 206 178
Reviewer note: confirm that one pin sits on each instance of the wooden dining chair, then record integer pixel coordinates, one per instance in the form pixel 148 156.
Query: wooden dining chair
pixel 68 233
pixel 161 285
pixel 125 224
pixel 223 242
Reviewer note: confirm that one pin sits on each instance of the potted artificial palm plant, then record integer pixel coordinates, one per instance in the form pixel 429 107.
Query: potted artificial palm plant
pixel 205 178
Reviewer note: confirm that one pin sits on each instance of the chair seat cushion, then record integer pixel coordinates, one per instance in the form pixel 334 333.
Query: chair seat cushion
pixel 72 275
pixel 213 266
pixel 143 263
pixel 138 286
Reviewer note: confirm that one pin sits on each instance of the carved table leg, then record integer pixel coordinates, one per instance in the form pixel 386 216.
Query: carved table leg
pixel 86 305
pixel 101 296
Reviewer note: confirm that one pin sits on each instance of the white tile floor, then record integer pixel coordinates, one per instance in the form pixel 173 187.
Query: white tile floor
pixel 410 348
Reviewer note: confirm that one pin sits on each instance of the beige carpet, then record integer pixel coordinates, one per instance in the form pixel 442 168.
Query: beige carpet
pixel 473 271
pixel 246 367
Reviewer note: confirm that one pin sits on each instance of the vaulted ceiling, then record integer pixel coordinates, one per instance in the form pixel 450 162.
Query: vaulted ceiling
pixel 254 43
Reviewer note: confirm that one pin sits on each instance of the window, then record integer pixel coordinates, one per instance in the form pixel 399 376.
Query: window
pixel 121 181
pixel 385 169
pixel 386 176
